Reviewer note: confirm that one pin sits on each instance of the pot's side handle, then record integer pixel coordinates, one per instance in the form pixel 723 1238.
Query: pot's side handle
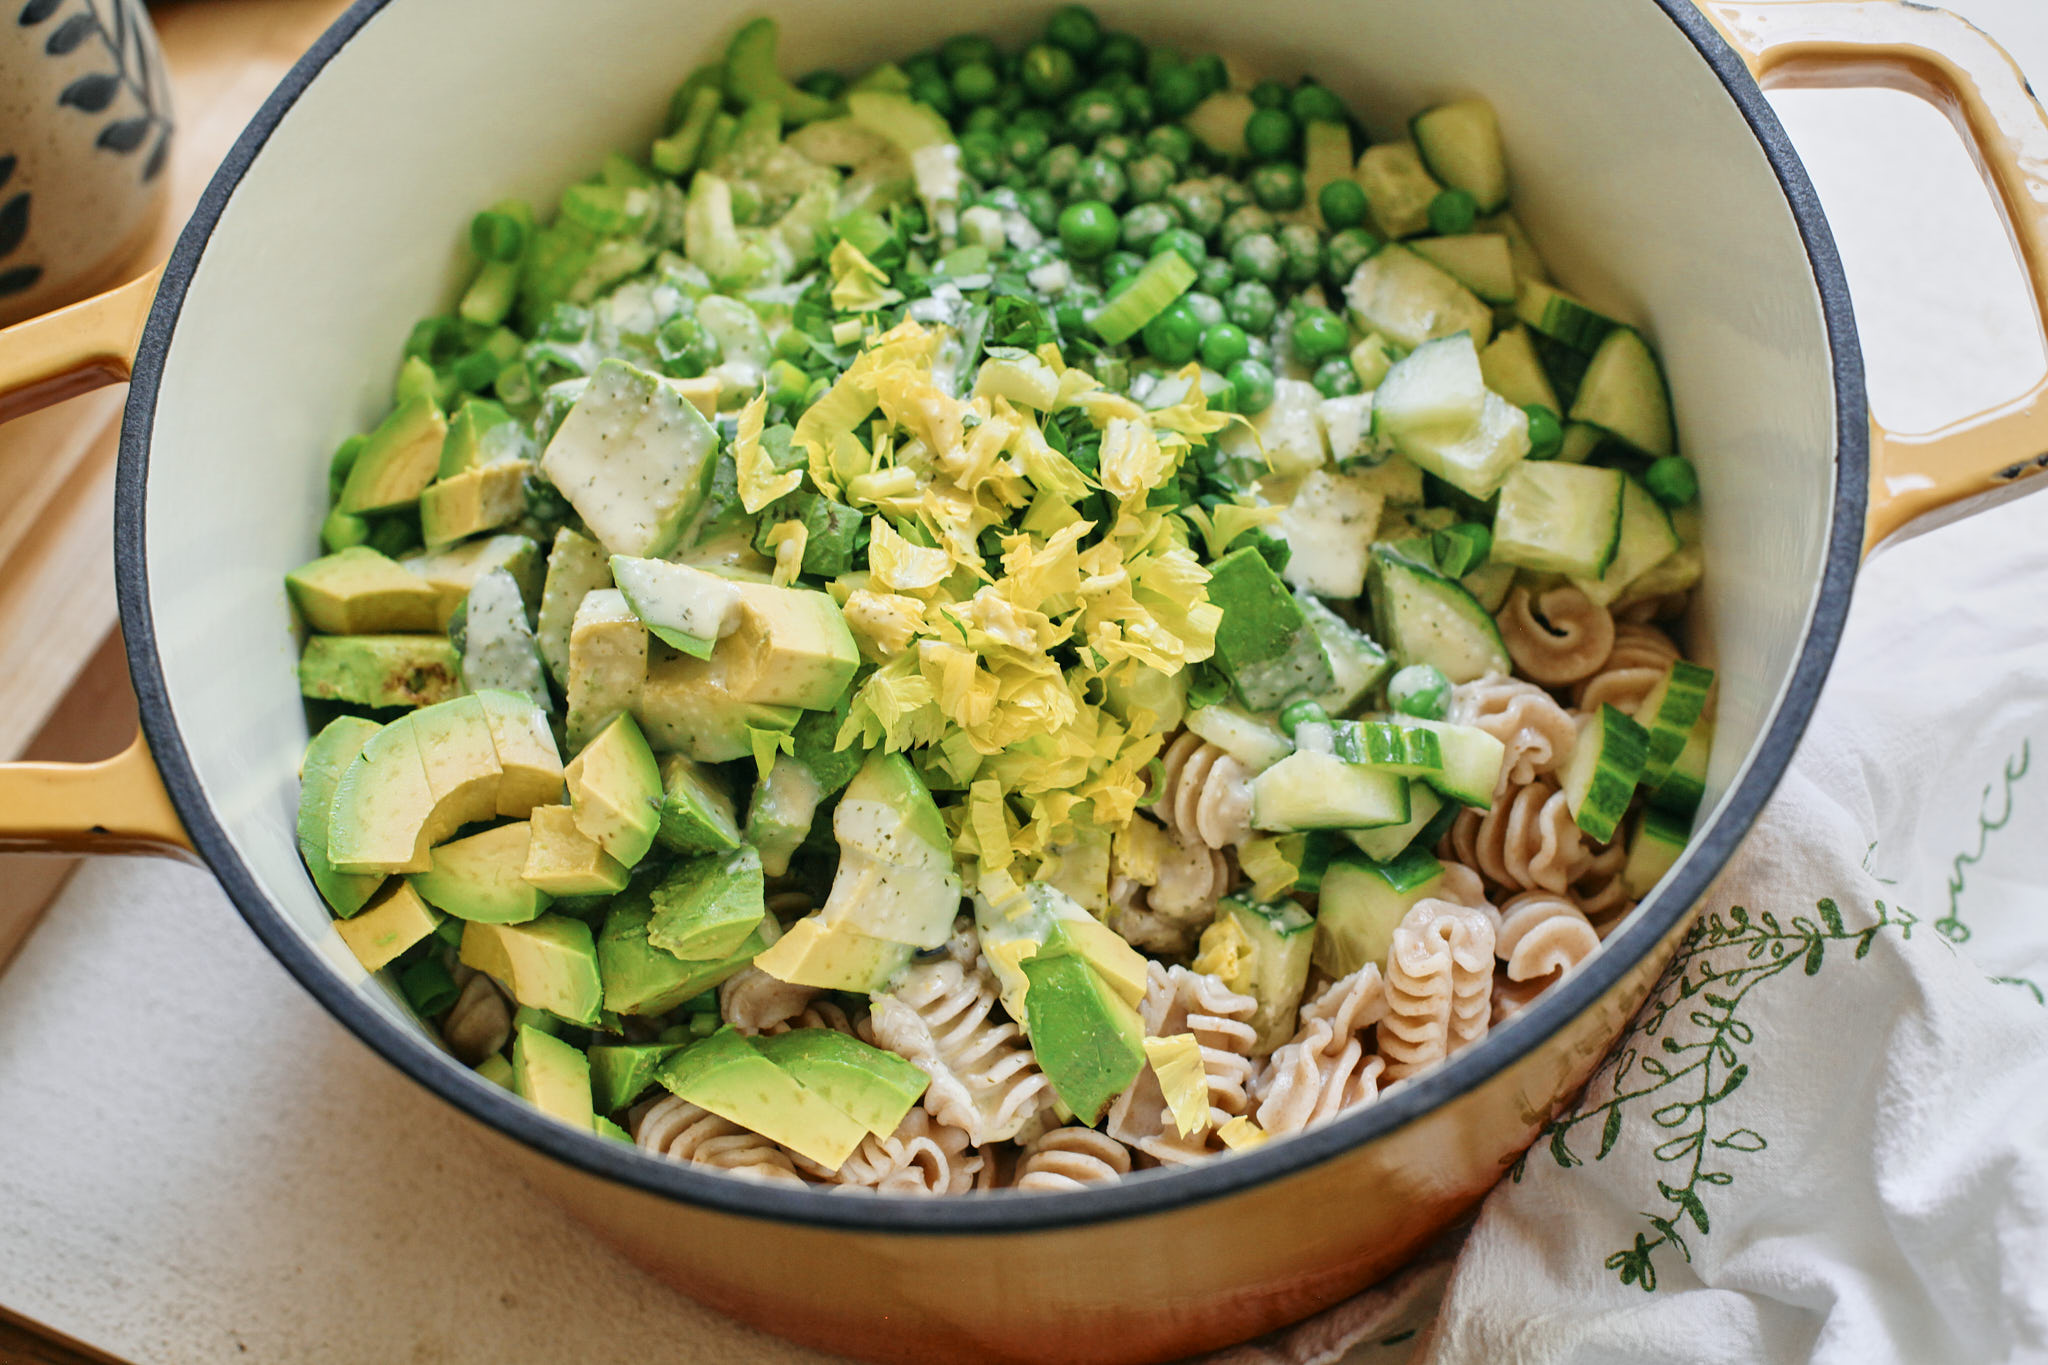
pixel 1955 66
pixel 117 805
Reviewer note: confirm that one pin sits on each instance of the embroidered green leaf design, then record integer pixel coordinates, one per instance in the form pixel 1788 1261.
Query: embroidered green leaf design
pixel 1610 1133
pixel 1741 1140
pixel 1831 915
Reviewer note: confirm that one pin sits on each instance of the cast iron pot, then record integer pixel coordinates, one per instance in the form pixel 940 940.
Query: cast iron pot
pixel 1647 163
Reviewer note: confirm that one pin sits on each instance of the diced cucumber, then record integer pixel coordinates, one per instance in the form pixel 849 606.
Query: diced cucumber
pixel 1398 481
pixel 1398 188
pixel 1304 670
pixel 1490 583
pixel 1421 617
pixel 1558 315
pixel 1329 529
pixel 1325 156
pixel 1646 541
pixel 1409 301
pixel 1511 369
pixel 1471 760
pixel 1347 428
pixel 1678 572
pixel 1480 261
pixel 1460 143
pixel 1391 841
pixel 1607 763
pixel 1438 389
pixel 1282 936
pixel 1528 262
pixel 1291 427
pixel 1669 713
pixel 1477 461
pixel 1559 518
pixel 1247 739
pixel 1318 791
pixel 1403 749
pixel 1355 660
pixel 1359 908
pixel 1218 122
pixel 1581 442
pixel 1623 393
pixel 1660 838
pixel 1686 784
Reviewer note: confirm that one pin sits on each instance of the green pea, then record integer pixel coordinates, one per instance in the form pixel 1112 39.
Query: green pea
pixel 1215 76
pixel 1336 379
pixel 1252 381
pixel 1076 308
pixel 1459 549
pixel 1269 134
pixel 1223 345
pixel 1546 435
pixel 1312 103
pixel 1115 82
pixel 1173 336
pixel 1048 72
pixel 1188 244
pixel 1177 90
pixel 1347 251
pixel 1119 267
pixel 1073 28
pixel 1304 248
pixel 1142 225
pixel 1092 113
pixel 1342 203
pixel 975 83
pixel 1171 141
pixel 1044 120
pixel 1088 229
pixel 1269 94
pixel 1198 204
pixel 1452 213
pixel 1251 305
pixel 1056 171
pixel 1420 690
pixel 1119 52
pixel 924 64
pixel 1306 711
pixel 935 91
pixel 985 119
pixel 1037 204
pixel 1318 334
pixel 1207 308
pixel 1233 195
pixel 826 85
pixel 1672 481
pixel 1277 186
pixel 1097 177
pixel 965 50
pixel 1138 106
pixel 1149 176
pixel 1024 146
pixel 1214 275
pixel 1011 99
pixel 1242 223
pixel 1116 147
pixel 981 156
pixel 1257 256
pixel 1158 60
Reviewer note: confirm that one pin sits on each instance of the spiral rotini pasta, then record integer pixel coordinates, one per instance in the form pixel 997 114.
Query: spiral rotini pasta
pixel 984 1079
pixel 1598 888
pixel 1636 662
pixel 1542 935
pixel 1537 731
pixel 1071 1157
pixel 1206 795
pixel 479 1022
pixel 923 1156
pixel 1326 1068
pixel 1439 986
pixel 673 1127
pixel 1527 841
pixel 1557 638
pixel 754 1002
pixel 1178 1000
pixel 1167 916
pixel 1512 997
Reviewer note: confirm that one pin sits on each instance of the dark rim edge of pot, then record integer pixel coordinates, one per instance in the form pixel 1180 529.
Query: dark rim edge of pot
pixel 997 1214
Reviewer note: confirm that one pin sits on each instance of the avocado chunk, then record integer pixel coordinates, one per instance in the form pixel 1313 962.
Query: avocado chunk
pixel 634 459
pixel 383 803
pixel 398 460
pixel 360 592
pixel 481 433
pixel 779 816
pixel 642 979
pixel 706 906
pixel 810 954
pixel 729 1076
pixel 454 571
pixel 577 567
pixel 496 1070
pixel 394 920
pixel 1265 642
pixel 461 762
pixel 684 607
pixel 696 814
pixel 791 648
pixel 689 706
pixel 527 756
pixel 459 506
pixel 872 1087
pixel 1044 919
pixel 553 1077
pixel 327 757
pixel 380 670
pixel 621 1073
pixel 615 791
pixel 548 964
pixel 1281 937
pixel 1102 948
pixel 607 663
pixel 564 861
pixel 498 650
pixel 895 879
pixel 1088 1039
pixel 482 877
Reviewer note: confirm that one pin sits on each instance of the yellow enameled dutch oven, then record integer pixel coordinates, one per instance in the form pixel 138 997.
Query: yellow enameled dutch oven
pixel 1645 159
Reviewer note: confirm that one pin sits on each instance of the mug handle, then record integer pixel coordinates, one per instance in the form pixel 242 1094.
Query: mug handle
pixel 1959 69
pixel 118 805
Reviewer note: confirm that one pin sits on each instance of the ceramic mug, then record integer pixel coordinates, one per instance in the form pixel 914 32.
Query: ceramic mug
pixel 1647 161
pixel 85 137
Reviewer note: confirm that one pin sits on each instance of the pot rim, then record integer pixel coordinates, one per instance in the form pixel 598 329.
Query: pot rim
pixel 998 1213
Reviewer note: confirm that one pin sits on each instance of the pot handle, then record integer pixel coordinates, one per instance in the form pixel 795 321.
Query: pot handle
pixel 117 805
pixel 1953 65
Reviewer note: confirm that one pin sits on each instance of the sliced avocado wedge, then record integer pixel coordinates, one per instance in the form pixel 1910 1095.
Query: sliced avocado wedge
pixel 327 757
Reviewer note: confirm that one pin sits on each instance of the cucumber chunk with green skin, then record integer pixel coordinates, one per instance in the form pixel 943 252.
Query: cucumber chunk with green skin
pixel 1282 936
pixel 1424 618
pixel 1304 670
pixel 1607 763
pixel 1398 188
pixel 1670 711
pixel 1471 760
pixel 1460 143
pixel 1356 662
pixel 1623 393
pixel 1403 749
pixel 1660 838
pixel 1685 785
pixel 1559 518
pixel 1425 809
pixel 1478 459
pixel 1437 389
pixel 1409 301
pixel 1511 369
pixel 1563 318
pixel 1478 260
pixel 1358 908
pixel 1251 741
pixel 1646 540
pixel 1309 790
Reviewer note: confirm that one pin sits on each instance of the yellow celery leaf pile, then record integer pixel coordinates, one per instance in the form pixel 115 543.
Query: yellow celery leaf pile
pixel 1029 688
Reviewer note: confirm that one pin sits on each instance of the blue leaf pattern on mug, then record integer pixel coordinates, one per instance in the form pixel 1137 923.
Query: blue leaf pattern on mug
pixel 91 93
pixel 122 36
pixel 13 223
pixel 35 11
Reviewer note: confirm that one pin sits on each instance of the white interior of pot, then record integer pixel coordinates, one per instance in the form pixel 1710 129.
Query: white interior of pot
pixel 1633 169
